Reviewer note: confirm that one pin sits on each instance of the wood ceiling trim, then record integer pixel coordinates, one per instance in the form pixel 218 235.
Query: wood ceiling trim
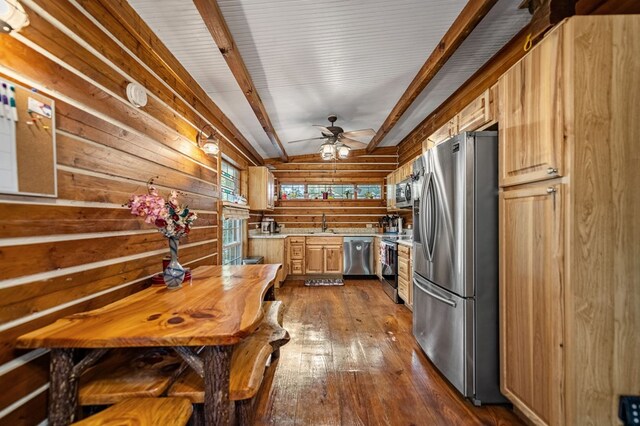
pixel 468 19
pixel 132 23
pixel 217 26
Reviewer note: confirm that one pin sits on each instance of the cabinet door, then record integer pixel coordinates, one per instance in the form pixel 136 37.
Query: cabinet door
pixel 271 190
pixel 531 115
pixel 531 321
pixel 314 259
pixel 475 115
pixel 333 259
pixel 297 251
pixel 391 191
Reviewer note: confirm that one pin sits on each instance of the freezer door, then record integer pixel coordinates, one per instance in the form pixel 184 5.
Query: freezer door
pixel 443 327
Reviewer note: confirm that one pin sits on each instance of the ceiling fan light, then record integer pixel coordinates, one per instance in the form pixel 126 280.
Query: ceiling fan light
pixel 343 152
pixel 327 151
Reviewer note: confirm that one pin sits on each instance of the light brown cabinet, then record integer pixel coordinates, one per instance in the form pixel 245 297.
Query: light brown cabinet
pixel 314 259
pixel 532 114
pixel 274 250
pixel 323 255
pixel 391 191
pixel 405 275
pixel 261 188
pixel 376 258
pixel 448 130
pixel 333 259
pixel 570 276
pixel 296 255
pixel 531 300
pixel 475 115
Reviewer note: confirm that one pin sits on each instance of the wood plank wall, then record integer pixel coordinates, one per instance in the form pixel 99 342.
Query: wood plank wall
pixel 359 168
pixel 83 249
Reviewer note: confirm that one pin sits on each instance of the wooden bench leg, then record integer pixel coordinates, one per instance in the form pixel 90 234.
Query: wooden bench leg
pixel 245 412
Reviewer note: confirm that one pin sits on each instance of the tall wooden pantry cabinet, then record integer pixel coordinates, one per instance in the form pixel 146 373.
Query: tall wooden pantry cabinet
pixel 570 223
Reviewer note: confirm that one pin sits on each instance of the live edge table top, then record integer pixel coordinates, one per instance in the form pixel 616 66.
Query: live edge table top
pixel 221 306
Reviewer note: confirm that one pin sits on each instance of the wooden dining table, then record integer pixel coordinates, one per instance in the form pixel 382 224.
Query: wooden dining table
pixel 221 306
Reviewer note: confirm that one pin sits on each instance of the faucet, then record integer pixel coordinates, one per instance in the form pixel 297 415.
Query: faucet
pixel 324 222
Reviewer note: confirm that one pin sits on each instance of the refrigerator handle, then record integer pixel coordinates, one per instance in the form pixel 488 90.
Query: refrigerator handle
pixel 449 302
pixel 424 215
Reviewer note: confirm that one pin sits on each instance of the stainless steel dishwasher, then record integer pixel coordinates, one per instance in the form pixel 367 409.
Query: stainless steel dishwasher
pixel 358 256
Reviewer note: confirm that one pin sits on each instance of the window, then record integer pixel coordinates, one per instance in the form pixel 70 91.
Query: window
pixel 291 191
pixel 229 182
pixel 336 191
pixel 366 191
pixel 231 228
pixel 231 241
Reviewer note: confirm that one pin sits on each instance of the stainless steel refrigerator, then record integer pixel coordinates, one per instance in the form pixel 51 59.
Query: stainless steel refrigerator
pixel 455 251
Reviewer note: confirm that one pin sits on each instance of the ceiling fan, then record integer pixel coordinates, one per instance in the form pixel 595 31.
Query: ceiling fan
pixel 338 143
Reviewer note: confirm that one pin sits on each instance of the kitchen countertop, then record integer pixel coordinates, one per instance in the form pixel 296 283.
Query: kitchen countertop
pixel 405 242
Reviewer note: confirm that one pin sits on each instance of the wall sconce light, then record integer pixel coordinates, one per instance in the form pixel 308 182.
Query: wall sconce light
pixel 12 16
pixel 209 144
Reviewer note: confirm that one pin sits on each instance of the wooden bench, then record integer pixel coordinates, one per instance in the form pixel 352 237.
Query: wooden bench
pixel 143 412
pixel 248 364
pixel 129 373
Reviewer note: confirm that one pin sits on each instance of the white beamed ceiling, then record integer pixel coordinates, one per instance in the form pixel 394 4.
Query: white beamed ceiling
pixel 312 58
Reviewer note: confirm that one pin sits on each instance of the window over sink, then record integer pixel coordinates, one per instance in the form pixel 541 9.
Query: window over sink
pixel 333 191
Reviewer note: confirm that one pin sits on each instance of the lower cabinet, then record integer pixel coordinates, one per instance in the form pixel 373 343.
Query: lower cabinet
pixel 333 259
pixel 531 295
pixel 323 255
pixel 296 255
pixel 274 250
pixel 376 258
pixel 405 275
pixel 314 259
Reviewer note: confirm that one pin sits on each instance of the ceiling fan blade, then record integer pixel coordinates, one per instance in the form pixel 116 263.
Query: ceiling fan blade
pixel 363 133
pixel 307 140
pixel 352 143
pixel 323 129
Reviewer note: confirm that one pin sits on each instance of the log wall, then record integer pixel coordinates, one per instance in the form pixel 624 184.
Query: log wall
pixel 82 250
pixel 307 169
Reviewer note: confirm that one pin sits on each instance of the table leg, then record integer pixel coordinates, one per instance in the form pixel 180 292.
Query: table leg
pixel 62 388
pixel 217 365
pixel 271 294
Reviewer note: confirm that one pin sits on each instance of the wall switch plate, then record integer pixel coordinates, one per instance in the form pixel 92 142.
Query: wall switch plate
pixel 629 410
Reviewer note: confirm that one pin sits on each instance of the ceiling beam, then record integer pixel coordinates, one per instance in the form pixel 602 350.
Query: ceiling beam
pixel 468 19
pixel 212 16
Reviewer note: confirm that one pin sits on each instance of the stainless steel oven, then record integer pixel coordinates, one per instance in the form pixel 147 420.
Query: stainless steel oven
pixel 389 260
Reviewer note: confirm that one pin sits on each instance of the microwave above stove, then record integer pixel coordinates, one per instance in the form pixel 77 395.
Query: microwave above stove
pixel 403 194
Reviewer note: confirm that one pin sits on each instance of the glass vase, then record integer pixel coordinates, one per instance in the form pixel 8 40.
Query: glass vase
pixel 174 272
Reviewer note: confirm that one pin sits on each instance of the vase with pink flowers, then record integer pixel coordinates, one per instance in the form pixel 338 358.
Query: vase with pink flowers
pixel 172 219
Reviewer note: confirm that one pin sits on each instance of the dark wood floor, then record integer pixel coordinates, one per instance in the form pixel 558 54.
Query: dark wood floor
pixel 353 361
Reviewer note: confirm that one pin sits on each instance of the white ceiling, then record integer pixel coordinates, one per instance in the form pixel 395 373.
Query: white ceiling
pixel 310 58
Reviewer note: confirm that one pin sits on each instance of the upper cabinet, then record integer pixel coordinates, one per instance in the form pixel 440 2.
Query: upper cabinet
pixel 532 117
pixel 261 188
pixel 476 114
pixel 391 191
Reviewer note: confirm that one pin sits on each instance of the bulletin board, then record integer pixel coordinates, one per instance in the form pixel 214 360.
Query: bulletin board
pixel 34 142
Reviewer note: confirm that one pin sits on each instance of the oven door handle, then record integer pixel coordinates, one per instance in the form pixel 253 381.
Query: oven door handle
pixel 449 302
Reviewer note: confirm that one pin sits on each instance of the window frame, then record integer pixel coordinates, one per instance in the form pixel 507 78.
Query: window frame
pixel 354 188
pixel 234 176
pixel 235 244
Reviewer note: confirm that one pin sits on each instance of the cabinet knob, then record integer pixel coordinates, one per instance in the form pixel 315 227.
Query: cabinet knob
pixel 551 190
pixel 552 171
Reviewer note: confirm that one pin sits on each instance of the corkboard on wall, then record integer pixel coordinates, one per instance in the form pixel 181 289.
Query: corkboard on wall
pixel 35 146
